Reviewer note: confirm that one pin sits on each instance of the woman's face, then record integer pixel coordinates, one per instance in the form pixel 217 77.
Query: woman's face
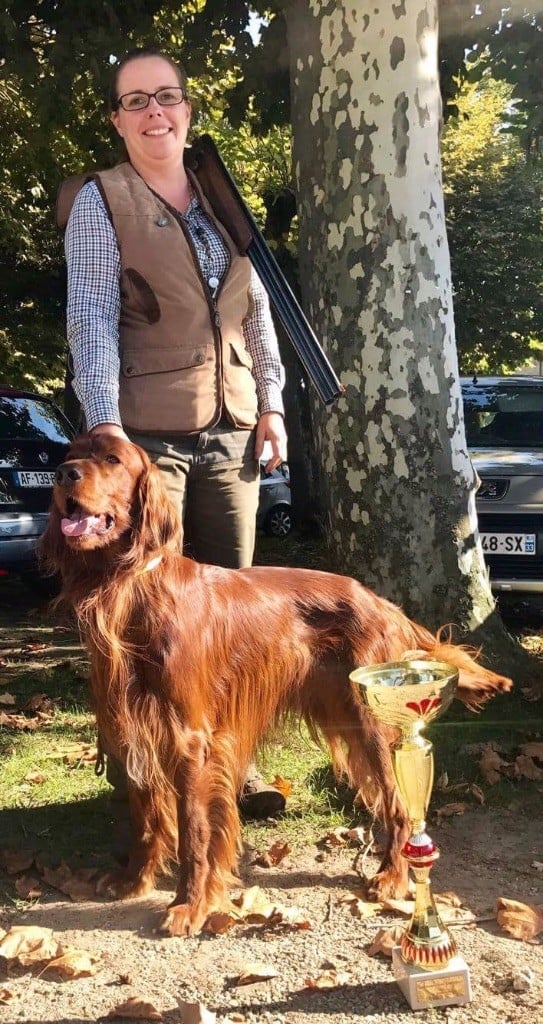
pixel 155 134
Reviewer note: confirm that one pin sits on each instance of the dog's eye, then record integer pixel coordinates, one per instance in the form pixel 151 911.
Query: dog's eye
pixel 112 458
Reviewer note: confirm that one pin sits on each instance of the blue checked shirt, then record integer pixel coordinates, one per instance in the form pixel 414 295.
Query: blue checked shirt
pixel 94 307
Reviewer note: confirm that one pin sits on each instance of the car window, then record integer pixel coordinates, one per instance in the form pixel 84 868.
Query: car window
pixel 503 416
pixel 31 419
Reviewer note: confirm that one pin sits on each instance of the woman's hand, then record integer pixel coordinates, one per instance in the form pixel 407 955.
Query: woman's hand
pixel 271 427
pixel 113 429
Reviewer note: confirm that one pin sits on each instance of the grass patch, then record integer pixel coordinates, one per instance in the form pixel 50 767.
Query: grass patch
pixel 53 802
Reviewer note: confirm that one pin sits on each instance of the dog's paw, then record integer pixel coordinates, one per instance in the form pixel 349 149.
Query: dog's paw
pixel 118 885
pixel 388 884
pixel 180 919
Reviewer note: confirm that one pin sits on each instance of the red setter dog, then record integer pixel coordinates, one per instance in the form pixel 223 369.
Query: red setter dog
pixel 191 664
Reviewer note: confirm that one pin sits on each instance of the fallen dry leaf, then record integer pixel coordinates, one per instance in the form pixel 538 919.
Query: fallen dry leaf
pixel 35 778
pixel 136 1009
pixel 87 755
pixel 362 908
pixel 449 899
pixel 521 920
pixel 448 810
pixel 253 973
pixel 385 940
pixel 81 887
pixel 526 768
pixel 451 910
pixel 491 765
pixel 19 722
pixel 73 963
pixel 273 856
pixel 328 979
pixel 78 885
pixel 442 782
pixel 14 861
pixel 538 865
pixel 29 944
pixel 533 749
pixel 221 921
pixel 7 699
pixel 283 785
pixel 291 917
pixel 28 887
pixel 39 702
pixel 6 995
pixel 335 837
pixel 477 792
pixel 196 1013
pixel 254 905
pixel 403 907
pixel 360 836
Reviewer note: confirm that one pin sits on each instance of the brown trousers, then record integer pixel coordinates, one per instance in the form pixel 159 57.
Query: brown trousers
pixel 213 479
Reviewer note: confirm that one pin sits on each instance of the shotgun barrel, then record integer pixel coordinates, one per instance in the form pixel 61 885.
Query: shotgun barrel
pixel 204 159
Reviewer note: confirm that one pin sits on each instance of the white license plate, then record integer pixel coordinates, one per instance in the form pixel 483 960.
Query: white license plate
pixel 35 478
pixel 508 543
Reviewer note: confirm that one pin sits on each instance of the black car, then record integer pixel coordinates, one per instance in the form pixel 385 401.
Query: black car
pixel 34 437
pixel 274 514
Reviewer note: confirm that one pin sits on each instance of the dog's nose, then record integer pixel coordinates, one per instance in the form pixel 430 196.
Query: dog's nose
pixel 68 474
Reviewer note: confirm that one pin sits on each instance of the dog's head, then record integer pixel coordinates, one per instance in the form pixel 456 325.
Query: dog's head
pixel 108 494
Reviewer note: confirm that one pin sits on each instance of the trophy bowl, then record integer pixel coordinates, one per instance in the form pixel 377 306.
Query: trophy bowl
pixel 407 694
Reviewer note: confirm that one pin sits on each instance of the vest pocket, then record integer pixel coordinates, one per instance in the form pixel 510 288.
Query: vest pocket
pixel 135 288
pixel 239 354
pixel 144 362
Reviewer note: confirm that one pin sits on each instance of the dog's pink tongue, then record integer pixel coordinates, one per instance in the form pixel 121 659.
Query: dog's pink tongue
pixel 83 526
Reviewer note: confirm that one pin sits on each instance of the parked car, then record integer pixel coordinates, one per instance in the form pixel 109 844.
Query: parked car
pixel 34 436
pixel 274 512
pixel 504 426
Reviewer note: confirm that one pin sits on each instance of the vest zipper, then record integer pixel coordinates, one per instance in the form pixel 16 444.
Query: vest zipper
pixel 211 299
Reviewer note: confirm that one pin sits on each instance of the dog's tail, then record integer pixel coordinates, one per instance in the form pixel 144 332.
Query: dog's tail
pixel 384 633
pixel 476 684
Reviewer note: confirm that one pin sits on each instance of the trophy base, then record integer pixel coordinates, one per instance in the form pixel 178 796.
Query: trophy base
pixel 449 986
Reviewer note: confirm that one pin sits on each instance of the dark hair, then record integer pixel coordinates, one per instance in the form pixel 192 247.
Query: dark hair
pixel 178 70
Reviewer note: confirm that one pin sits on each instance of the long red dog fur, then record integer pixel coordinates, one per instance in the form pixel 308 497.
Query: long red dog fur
pixel 192 664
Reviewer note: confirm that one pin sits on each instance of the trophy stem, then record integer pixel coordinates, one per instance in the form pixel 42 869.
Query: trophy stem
pixel 426 943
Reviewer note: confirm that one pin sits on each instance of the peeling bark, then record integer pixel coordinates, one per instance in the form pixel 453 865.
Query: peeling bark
pixel 376 281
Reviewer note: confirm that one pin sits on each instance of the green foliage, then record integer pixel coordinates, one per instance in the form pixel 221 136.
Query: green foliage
pixel 494 220
pixel 514 43
pixel 57 64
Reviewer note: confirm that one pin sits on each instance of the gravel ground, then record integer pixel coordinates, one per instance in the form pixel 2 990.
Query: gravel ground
pixel 485 854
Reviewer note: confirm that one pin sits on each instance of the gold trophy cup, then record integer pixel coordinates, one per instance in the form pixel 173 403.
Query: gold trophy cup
pixel 407 695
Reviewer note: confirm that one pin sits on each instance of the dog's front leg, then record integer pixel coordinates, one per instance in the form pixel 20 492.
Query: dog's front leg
pixel 189 909
pixel 151 826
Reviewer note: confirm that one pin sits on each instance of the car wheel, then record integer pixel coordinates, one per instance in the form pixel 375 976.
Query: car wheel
pixel 278 521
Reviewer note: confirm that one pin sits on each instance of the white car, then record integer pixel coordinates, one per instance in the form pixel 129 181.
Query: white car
pixel 504 427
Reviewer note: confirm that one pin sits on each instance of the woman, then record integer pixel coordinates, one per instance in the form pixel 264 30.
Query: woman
pixel 170 330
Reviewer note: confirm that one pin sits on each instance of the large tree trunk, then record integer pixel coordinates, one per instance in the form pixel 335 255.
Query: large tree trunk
pixel 376 281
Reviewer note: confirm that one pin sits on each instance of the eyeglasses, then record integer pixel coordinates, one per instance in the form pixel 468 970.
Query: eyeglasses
pixel 141 100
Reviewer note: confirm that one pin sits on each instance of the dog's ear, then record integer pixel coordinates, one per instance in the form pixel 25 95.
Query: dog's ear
pixel 51 545
pixel 158 523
